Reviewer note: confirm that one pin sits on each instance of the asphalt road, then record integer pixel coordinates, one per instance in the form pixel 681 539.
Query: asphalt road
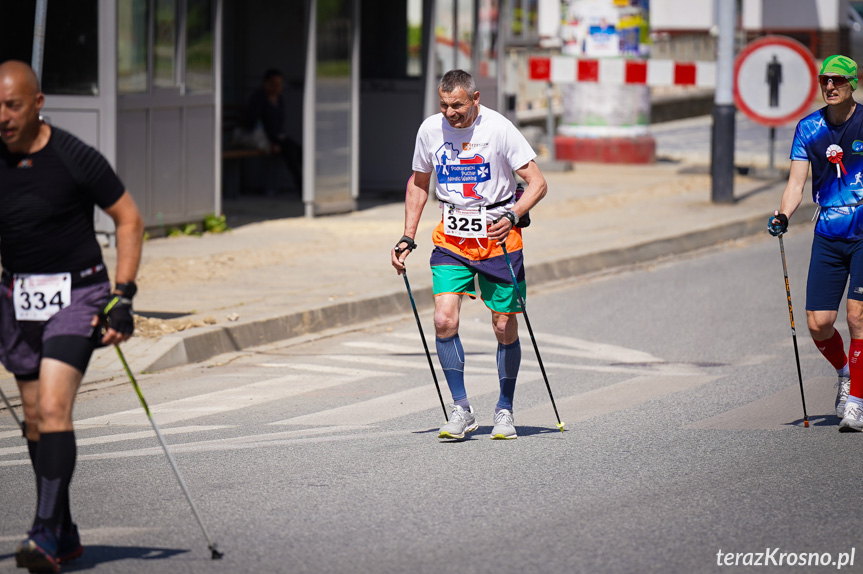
pixel 683 439
pixel 689 140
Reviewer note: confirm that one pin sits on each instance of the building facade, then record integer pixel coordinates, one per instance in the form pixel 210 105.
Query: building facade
pixel 160 86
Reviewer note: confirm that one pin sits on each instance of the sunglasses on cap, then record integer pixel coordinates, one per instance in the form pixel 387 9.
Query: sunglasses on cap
pixel 838 81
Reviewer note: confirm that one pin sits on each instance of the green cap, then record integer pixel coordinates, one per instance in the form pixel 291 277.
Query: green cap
pixel 843 65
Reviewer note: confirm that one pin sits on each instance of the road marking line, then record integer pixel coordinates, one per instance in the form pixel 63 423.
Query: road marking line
pixel 393 405
pixel 356 373
pixel 238 443
pixel 394 349
pixel 121 437
pixel 779 410
pixel 223 401
pixel 92 534
pixel 422 365
pixel 605 352
pixel 609 399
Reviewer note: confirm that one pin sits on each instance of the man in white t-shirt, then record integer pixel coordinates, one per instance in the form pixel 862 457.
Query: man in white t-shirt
pixel 473 151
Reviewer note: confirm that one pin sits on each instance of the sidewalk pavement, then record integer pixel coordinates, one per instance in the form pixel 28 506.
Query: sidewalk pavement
pixel 270 281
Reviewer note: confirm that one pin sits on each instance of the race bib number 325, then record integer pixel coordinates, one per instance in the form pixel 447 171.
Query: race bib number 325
pixel 466 222
pixel 39 297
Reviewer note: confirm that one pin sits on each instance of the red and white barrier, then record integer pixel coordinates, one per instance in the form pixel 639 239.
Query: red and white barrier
pixel 619 71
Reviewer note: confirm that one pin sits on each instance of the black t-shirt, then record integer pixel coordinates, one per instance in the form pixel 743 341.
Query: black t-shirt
pixel 271 116
pixel 46 205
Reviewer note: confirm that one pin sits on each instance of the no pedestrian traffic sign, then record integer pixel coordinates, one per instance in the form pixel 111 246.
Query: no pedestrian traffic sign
pixel 775 80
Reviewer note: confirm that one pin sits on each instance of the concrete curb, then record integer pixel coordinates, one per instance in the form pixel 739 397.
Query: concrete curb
pixel 204 343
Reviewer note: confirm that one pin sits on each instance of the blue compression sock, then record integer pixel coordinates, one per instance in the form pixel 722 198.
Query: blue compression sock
pixel 508 361
pixel 451 356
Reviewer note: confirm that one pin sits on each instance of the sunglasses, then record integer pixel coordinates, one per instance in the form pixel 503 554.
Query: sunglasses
pixel 838 81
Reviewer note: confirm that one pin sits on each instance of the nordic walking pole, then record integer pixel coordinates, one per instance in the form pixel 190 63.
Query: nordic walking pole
pixel 425 346
pixel 793 331
pixel 530 330
pixel 11 410
pixel 215 554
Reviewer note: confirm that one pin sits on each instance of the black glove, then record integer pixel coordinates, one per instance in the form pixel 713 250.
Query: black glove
pixel 118 315
pixel 777 228
pixel 411 245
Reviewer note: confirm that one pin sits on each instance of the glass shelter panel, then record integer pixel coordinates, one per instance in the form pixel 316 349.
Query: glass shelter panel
pixel 444 36
pixel 199 45
pixel 333 103
pixel 132 18
pixel 415 38
pixel 165 44
pixel 70 63
pixel 487 38
pixel 465 31
pixel 71 57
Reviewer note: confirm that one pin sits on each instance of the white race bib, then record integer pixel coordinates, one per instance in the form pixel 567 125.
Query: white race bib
pixel 39 297
pixel 466 222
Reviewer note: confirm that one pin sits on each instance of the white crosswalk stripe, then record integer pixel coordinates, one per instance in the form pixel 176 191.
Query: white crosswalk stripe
pixel 122 437
pixel 216 402
pixel 646 377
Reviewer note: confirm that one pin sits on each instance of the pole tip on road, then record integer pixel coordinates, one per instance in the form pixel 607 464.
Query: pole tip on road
pixel 560 426
pixel 216 555
pixel 806 424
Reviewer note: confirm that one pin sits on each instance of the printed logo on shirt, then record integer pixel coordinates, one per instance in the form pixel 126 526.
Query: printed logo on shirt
pixel 857 147
pixel 462 175
pixel 25 163
pixel 467 146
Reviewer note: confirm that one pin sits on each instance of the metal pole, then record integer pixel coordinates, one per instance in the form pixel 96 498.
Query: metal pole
pixel 772 147
pixel 549 121
pixel 722 152
pixel 39 37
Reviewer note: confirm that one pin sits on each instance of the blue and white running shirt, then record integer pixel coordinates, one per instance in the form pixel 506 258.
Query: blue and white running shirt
pixel 836 155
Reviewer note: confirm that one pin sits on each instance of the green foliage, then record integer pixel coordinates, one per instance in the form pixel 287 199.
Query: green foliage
pixel 215 223
pixel 212 224
pixel 188 229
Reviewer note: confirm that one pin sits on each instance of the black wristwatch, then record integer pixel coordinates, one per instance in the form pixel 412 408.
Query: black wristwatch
pixel 127 290
pixel 513 218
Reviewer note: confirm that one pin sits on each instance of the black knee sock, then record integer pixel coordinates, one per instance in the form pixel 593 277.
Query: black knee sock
pixel 55 461
pixel 33 448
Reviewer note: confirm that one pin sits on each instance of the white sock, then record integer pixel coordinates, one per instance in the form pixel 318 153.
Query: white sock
pixel 844 371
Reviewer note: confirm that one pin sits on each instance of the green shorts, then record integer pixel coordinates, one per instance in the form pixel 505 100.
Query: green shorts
pixel 497 296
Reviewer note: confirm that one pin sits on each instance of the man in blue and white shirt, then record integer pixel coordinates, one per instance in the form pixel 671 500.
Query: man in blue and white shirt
pixel 831 141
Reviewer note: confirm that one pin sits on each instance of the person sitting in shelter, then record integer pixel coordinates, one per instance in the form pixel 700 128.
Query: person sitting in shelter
pixel 266 108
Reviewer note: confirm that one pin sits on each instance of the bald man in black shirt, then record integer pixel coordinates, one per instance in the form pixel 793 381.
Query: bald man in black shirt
pixel 53 290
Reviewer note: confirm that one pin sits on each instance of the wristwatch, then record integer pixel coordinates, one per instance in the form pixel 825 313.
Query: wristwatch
pixel 513 218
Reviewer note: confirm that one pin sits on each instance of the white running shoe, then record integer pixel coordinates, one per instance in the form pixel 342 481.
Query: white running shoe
pixel 844 385
pixel 460 422
pixel 503 426
pixel 853 419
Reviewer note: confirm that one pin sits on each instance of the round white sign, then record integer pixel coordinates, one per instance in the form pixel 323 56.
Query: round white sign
pixel 775 80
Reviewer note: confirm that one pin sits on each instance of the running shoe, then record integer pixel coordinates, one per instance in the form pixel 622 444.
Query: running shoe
pixel 69 546
pixel 460 422
pixel 844 385
pixel 503 426
pixel 38 553
pixel 853 419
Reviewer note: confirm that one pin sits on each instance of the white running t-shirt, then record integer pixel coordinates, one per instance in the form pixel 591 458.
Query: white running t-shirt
pixel 473 165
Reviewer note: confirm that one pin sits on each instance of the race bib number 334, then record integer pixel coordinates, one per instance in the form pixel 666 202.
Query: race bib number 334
pixel 39 297
pixel 466 222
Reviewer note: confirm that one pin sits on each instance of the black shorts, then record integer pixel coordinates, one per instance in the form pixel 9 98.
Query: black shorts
pixel 22 342
pixel 833 261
